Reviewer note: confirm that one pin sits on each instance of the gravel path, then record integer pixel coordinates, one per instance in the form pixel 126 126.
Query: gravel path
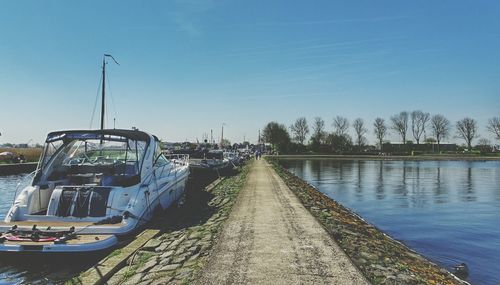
pixel 271 238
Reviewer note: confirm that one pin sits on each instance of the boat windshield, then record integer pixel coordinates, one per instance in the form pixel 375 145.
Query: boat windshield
pixel 96 160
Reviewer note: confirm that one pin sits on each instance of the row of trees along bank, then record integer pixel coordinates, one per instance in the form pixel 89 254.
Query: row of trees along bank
pixel 300 137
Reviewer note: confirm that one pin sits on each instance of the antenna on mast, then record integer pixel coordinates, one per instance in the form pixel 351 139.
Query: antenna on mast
pixel 108 55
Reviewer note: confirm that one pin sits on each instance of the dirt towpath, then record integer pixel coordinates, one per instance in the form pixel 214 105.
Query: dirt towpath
pixel 270 238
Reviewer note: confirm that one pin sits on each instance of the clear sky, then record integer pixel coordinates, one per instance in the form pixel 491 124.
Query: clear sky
pixel 189 66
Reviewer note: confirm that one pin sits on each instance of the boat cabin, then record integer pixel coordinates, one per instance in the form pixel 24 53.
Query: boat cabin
pixel 79 169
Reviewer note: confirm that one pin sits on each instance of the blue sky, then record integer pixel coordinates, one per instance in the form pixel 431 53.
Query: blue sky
pixel 189 66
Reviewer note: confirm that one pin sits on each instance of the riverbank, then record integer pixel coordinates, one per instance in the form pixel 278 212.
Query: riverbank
pixel 187 235
pixel 381 259
pixel 17 168
pixel 390 157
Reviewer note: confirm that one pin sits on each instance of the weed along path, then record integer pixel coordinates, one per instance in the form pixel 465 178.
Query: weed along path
pixel 271 238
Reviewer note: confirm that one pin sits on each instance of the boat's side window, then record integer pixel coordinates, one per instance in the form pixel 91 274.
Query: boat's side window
pixel 160 159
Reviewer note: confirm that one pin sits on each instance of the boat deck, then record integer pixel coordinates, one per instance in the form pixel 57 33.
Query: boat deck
pixel 55 224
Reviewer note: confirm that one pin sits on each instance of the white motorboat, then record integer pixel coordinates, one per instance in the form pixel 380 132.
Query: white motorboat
pixel 90 187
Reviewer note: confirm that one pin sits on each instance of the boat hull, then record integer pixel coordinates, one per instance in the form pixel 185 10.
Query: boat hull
pixel 91 237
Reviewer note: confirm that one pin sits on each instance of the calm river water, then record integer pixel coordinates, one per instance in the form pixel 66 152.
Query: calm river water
pixel 449 211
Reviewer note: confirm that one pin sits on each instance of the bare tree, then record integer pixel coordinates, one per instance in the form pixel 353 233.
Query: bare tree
pixel 340 124
pixel 440 127
pixel 483 142
pixel 360 129
pixel 419 121
pixel 300 129
pixel 400 124
pixel 380 130
pixel 494 127
pixel 318 134
pixel 467 130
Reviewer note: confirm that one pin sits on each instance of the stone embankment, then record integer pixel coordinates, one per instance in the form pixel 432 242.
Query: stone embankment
pixel 380 258
pixel 177 255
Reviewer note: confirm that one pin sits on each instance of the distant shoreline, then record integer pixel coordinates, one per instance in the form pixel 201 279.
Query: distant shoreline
pixel 390 157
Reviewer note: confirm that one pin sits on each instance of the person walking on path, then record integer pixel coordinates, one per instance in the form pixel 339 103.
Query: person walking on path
pixel 257 155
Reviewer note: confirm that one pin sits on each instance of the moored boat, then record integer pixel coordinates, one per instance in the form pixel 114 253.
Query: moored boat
pixel 212 163
pixel 90 187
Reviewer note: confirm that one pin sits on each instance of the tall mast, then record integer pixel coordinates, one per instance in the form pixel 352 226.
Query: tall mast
pixel 103 90
pixel 104 86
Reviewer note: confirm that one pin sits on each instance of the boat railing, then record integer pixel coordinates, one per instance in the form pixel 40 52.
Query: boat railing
pixel 182 159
